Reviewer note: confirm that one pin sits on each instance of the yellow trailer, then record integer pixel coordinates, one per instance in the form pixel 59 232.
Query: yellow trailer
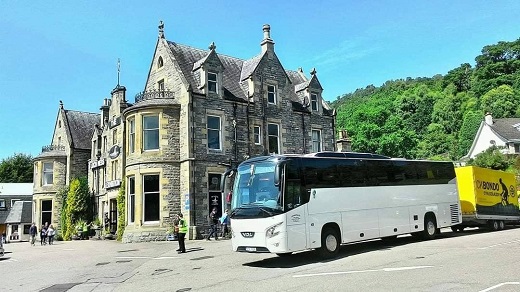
pixel 487 198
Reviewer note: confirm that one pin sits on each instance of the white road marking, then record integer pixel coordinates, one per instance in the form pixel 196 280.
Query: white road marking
pixel 500 285
pixel 144 257
pixel 165 258
pixel 364 271
pixel 504 243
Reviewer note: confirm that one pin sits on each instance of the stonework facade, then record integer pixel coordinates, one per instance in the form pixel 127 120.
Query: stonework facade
pixel 202 112
pixel 64 159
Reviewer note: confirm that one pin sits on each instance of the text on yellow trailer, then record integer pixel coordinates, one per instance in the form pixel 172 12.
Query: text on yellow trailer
pixel 487 192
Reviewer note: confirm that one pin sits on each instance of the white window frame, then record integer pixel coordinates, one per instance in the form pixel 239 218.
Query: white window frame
pixel 270 135
pixel 314 102
pixel 131 135
pixel 158 193
pixel 211 81
pixel 257 132
pixel 146 131
pixel 45 172
pixel 317 142
pixel 131 195
pixel 271 93
pixel 14 201
pixel 114 136
pixel 219 130
pixel 114 169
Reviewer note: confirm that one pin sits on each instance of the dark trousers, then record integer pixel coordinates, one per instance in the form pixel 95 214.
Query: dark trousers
pixel 213 231
pixel 51 239
pixel 182 247
pixel 43 239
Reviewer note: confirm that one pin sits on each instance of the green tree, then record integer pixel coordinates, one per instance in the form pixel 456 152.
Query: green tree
pixel 17 169
pixel 77 205
pixel 468 131
pixel 501 102
pixel 491 158
pixel 121 211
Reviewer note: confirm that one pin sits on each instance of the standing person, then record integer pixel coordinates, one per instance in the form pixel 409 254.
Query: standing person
pixel 33 230
pixel 224 221
pixel 43 235
pixel 183 229
pixel 213 221
pixel 50 234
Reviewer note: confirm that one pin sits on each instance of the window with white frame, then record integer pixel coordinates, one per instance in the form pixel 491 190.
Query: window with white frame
pixel 151 132
pixel 212 82
pixel 105 141
pixel 271 94
pixel 131 136
pixel 151 197
pixel 258 135
pixel 48 173
pixel 316 140
pixel 274 138
pixel 214 132
pixel 114 169
pixel 314 102
pixel 131 199
pixel 14 201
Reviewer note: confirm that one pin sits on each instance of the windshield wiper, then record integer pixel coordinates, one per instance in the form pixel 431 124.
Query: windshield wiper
pixel 266 210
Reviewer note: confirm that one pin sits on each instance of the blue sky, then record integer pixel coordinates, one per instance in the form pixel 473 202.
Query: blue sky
pixel 68 50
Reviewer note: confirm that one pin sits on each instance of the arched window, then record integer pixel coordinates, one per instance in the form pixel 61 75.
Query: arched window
pixel 160 62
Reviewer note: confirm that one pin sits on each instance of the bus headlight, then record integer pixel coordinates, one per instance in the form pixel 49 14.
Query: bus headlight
pixel 272 232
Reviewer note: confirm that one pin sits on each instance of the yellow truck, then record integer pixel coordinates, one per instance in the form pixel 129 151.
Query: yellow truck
pixel 488 198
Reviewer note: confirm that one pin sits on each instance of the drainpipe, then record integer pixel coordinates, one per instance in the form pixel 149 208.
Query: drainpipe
pixel 235 148
pixel 248 131
pixel 192 162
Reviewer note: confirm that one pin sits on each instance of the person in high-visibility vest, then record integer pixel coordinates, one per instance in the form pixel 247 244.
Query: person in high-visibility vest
pixel 183 229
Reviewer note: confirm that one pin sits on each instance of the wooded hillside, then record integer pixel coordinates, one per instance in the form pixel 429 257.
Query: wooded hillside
pixel 435 117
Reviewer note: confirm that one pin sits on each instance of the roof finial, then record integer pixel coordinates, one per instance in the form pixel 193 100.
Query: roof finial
pixel 212 46
pixel 161 29
pixel 267 31
pixel 61 104
pixel 118 70
pixel 313 71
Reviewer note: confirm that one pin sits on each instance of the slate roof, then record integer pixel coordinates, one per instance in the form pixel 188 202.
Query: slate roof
pixel 21 212
pixel 81 126
pixel 235 72
pixel 504 127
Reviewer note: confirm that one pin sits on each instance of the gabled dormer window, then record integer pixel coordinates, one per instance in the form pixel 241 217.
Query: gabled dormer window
pixel 212 82
pixel 271 94
pixel 314 102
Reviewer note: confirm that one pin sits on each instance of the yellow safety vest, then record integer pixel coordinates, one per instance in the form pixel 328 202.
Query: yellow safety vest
pixel 183 228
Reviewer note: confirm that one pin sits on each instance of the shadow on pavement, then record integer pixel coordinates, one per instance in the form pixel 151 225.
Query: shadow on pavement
pixel 312 256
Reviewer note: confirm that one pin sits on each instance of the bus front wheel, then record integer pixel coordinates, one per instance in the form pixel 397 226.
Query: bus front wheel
pixel 329 243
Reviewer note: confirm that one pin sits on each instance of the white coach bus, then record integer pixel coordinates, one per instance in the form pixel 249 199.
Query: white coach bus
pixel 287 203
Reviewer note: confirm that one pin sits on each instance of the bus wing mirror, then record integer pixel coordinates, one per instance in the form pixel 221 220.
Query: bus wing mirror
pixel 228 173
pixel 278 174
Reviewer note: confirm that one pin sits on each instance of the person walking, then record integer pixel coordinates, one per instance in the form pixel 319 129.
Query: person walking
pixel 213 221
pixel 43 235
pixel 183 229
pixel 50 234
pixel 33 230
pixel 224 222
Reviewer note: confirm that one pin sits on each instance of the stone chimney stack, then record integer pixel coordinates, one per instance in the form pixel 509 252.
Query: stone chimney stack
pixel 344 143
pixel 105 110
pixel 267 43
pixel 488 118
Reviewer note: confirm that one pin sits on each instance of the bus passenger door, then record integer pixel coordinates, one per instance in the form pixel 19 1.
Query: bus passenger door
pixel 296 233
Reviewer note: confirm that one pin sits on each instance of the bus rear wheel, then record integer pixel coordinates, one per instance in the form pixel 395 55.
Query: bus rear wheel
pixel 501 225
pixel 329 243
pixel 430 227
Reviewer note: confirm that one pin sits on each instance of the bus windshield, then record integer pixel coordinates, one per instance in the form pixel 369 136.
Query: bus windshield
pixel 254 188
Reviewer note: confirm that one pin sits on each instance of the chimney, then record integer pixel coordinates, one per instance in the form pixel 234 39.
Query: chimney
pixel 344 143
pixel 488 118
pixel 267 43
pixel 105 110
